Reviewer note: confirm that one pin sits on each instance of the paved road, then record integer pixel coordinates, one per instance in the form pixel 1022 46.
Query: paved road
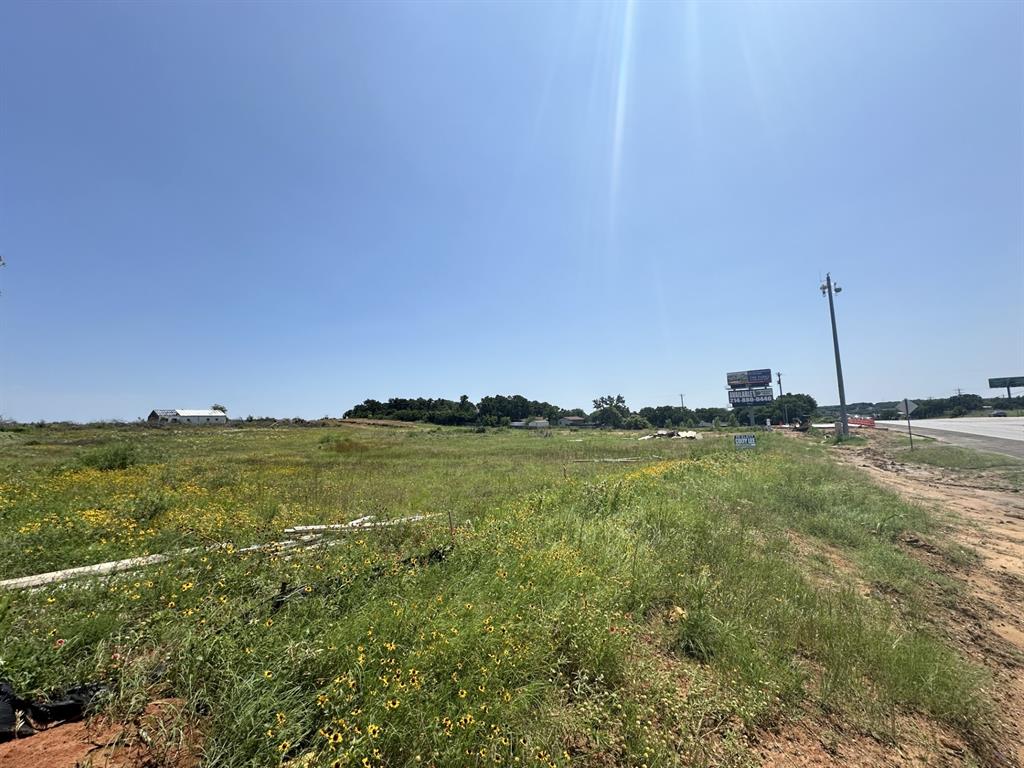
pixel 992 433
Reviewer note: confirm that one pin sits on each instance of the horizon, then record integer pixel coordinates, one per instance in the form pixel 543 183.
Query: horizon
pixel 291 209
pixel 340 416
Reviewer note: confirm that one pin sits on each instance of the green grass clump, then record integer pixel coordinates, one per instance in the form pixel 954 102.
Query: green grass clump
pixel 953 457
pixel 118 455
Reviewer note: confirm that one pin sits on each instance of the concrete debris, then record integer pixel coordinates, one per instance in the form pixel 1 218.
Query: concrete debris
pixel 313 535
pixel 360 524
pixel 673 434
pixel 605 461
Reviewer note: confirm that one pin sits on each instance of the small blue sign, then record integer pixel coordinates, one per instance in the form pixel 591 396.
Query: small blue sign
pixel 744 441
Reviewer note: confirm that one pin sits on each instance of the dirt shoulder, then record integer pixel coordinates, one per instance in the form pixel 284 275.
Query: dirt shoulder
pixel 982 512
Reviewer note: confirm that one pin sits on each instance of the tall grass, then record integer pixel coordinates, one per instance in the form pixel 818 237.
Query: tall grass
pixel 592 613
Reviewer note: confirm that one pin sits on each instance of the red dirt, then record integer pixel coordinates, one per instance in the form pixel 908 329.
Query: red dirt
pixel 141 743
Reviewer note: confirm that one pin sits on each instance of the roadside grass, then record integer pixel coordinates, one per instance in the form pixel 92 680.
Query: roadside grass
pixel 900 439
pixel 953 457
pixel 587 613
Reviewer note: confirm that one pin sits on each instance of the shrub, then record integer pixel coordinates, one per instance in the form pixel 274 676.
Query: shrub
pixel 635 422
pixel 108 457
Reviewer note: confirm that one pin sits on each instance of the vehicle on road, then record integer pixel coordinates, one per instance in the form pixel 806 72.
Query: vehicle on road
pixel 998 413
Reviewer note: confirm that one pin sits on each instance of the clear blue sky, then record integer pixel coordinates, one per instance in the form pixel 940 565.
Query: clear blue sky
pixel 290 207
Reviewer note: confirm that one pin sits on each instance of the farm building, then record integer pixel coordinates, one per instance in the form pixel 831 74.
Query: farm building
pixel 572 421
pixel 187 416
pixel 538 424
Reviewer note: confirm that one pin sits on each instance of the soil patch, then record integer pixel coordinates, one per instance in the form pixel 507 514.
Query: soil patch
pixel 155 738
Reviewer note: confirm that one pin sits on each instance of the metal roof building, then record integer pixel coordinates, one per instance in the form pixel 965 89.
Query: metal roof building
pixel 187 416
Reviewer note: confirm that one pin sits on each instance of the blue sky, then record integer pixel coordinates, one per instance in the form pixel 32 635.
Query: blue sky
pixel 290 207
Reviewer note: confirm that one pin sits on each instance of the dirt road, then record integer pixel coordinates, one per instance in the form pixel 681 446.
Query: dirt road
pixel 988 517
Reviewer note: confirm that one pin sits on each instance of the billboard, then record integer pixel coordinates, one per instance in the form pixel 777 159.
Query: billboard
pixel 751 396
pixel 1012 381
pixel 759 377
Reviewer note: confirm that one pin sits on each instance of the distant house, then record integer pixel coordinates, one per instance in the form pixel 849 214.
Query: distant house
pixel 572 421
pixel 539 424
pixel 186 416
pixel 517 424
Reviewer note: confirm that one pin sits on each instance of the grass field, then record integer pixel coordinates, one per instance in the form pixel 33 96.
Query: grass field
pixel 653 612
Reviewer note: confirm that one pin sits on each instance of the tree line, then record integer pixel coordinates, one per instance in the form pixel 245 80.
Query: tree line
pixel 608 411
pixel 928 407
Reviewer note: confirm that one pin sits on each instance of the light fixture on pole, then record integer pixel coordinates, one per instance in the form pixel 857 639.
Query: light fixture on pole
pixel 828 288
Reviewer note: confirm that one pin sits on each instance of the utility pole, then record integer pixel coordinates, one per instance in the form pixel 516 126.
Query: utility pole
pixel 785 410
pixel 681 403
pixel 827 289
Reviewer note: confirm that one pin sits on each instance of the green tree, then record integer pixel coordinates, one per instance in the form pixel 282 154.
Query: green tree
pixel 609 410
pixel 617 402
pixel 792 407
pixel 608 416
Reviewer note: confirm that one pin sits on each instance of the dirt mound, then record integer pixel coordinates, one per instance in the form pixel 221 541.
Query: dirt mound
pixel 815 743
pixel 155 738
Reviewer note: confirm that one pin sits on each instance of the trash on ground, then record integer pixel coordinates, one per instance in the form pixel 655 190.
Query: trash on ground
pixel 20 717
pixel 313 534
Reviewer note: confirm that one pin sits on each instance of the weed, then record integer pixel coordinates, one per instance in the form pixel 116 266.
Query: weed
pixel 109 457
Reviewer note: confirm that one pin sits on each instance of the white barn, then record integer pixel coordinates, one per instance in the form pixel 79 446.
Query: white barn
pixel 187 416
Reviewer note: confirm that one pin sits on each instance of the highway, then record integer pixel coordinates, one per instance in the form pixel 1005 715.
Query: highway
pixel 998 434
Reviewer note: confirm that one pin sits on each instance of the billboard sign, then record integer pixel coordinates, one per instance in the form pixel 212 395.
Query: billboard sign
pixel 759 377
pixel 751 396
pixel 1012 381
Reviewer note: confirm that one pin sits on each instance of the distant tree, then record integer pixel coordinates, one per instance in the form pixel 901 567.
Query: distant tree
pixel 793 407
pixel 609 416
pixel 219 407
pixel 611 401
pixel 708 415
pixel 609 411
pixel 669 416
